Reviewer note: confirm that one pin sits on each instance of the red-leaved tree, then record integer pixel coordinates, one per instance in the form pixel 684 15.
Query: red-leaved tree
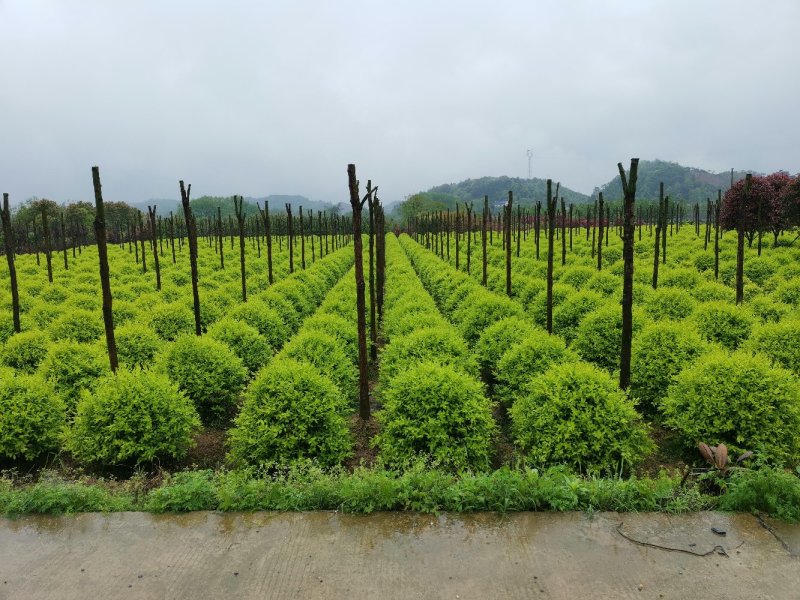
pixel 761 208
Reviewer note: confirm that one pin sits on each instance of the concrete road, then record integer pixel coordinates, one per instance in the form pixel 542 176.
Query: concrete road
pixel 398 555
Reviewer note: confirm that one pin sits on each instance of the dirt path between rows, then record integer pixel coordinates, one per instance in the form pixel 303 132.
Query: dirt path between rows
pixel 398 555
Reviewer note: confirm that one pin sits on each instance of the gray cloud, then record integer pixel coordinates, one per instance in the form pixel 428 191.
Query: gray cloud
pixel 277 97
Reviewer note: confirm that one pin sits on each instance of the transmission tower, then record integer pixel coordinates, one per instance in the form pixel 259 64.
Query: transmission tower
pixel 530 156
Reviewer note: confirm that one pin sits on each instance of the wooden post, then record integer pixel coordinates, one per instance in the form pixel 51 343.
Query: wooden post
pixel 380 224
pixel 238 207
pixel 47 247
pixel 628 232
pixel 563 233
pixel 551 228
pixel 151 211
pixel 289 233
pixel 600 233
pixel 469 234
pixel 507 217
pixel 363 383
pixel 302 240
pixel 191 231
pixel 740 241
pixel 484 274
pixel 659 221
pixel 64 240
pixel 373 330
pixel 717 208
pixel 141 241
pixel 105 280
pixel 8 237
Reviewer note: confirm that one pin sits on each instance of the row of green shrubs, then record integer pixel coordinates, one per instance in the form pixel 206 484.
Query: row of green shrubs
pixel 296 408
pixel 141 414
pixel 563 411
pixel 700 389
pixel 434 404
pixel 419 488
pixel 50 307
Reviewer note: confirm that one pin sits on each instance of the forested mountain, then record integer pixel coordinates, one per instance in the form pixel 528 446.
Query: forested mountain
pixel 526 193
pixel 684 184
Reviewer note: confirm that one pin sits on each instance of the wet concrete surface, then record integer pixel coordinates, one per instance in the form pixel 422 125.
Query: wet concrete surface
pixel 398 555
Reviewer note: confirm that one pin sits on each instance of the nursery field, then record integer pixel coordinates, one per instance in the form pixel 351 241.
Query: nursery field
pixel 465 379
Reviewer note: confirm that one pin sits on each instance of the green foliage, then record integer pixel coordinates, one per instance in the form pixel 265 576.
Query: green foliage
pixel 325 352
pixel 136 416
pixel 768 310
pixel 575 414
pixel 78 325
pixel 660 351
pixel 171 320
pixel 31 417
pixel 267 321
pixel 599 336
pixel 430 411
pixel 770 491
pixel 779 341
pixel 499 337
pixel 137 344
pixel 740 400
pixel 723 323
pixel 567 316
pixel 439 344
pixel 183 492
pixel 25 350
pixel 71 368
pixel 789 292
pixel 54 496
pixel 208 372
pixel 291 412
pixel 245 341
pixel 670 303
pixel 527 359
pixel 337 326
pixel 480 310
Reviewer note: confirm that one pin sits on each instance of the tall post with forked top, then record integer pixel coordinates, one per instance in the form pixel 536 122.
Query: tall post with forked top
pixel 629 190
pixel 363 383
pixel 105 280
pixel 191 231
pixel 8 236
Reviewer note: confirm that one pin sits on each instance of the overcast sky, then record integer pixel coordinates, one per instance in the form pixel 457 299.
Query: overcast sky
pixel 276 97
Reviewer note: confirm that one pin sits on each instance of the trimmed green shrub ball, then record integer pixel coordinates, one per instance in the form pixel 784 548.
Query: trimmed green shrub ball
pixel 325 352
pixel 599 336
pixel 440 344
pixel 208 372
pixel 670 303
pixel 72 367
pixel 25 350
pixel 132 417
pixel 740 400
pixel 431 411
pixel 245 341
pixel 337 326
pixel 498 338
pixel 137 344
pixel 31 416
pixel 779 341
pixel 171 320
pixel 78 325
pixel 481 310
pixel 267 321
pixel 527 359
pixel 291 412
pixel 724 323
pixel 568 315
pixel 575 414
pixel 661 351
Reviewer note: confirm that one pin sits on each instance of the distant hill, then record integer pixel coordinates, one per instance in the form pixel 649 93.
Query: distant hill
pixel 684 184
pixel 206 206
pixel 442 197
